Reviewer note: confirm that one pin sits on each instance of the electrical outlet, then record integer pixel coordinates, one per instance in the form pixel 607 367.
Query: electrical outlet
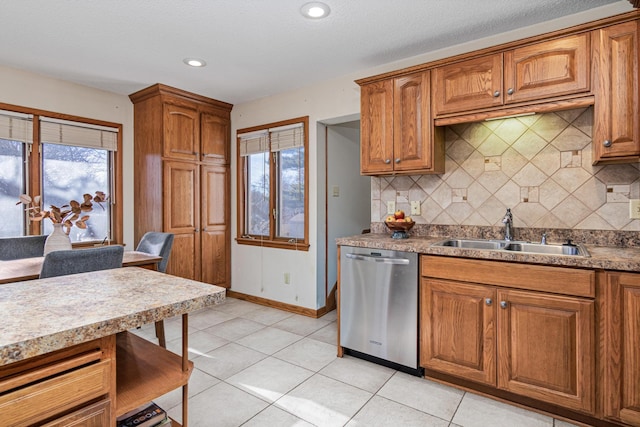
pixel 287 278
pixel 391 208
pixel 634 208
pixel 415 207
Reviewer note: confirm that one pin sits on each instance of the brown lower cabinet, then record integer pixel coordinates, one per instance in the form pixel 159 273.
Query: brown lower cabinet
pixel 622 347
pixel 90 384
pixel 495 323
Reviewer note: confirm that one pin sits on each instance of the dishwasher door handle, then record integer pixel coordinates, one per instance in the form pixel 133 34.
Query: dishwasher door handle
pixel 376 258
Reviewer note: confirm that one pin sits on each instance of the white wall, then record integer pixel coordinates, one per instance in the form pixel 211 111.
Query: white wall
pixel 31 90
pixel 350 212
pixel 260 271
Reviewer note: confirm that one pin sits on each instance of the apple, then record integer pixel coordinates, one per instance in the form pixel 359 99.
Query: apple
pixel 390 218
pixel 407 219
pixel 399 214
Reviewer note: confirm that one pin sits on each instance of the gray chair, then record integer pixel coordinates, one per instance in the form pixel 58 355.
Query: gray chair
pixel 156 243
pixel 21 247
pixel 61 263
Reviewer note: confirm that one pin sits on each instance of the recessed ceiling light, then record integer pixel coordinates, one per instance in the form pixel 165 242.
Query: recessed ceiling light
pixel 194 62
pixel 315 10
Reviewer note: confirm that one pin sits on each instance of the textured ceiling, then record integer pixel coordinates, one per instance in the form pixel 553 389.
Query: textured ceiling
pixel 254 48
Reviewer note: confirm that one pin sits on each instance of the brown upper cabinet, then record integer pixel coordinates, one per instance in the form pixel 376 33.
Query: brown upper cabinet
pixel 542 70
pixel 397 132
pixel 195 134
pixel 616 125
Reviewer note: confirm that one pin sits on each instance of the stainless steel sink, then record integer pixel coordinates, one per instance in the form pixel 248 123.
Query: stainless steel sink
pixel 548 249
pixel 473 244
pixel 523 247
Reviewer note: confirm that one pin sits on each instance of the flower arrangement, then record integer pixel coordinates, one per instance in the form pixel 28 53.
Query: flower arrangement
pixel 66 215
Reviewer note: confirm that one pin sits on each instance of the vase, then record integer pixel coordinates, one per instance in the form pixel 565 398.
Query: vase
pixel 58 240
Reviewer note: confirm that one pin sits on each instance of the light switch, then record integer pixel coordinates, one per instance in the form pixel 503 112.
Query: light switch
pixel 391 208
pixel 634 208
pixel 415 207
pixel 336 191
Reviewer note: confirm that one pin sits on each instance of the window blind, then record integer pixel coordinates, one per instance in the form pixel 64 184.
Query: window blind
pixel 287 137
pixel 54 131
pixel 16 126
pixel 254 142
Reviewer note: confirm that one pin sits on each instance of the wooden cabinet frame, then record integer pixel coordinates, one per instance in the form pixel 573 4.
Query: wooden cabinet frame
pixel 180 137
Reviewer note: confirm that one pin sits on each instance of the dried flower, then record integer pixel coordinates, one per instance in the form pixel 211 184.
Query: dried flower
pixel 67 215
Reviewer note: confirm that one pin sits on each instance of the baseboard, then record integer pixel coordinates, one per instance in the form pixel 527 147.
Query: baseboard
pixel 279 305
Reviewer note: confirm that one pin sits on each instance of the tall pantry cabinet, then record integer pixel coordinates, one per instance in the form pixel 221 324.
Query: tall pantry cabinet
pixel 181 178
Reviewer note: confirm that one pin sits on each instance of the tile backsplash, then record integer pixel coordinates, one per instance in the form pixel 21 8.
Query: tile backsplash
pixel 537 165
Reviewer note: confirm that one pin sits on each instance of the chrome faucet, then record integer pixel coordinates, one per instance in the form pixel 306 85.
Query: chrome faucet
pixel 508 225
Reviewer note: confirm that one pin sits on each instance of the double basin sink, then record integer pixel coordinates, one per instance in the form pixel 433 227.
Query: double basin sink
pixel 568 248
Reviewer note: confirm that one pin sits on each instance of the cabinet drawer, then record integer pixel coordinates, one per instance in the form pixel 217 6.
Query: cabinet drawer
pixel 96 415
pixel 558 280
pixel 42 399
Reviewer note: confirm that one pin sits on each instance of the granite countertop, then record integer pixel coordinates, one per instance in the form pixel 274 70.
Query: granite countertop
pixel 602 257
pixel 40 316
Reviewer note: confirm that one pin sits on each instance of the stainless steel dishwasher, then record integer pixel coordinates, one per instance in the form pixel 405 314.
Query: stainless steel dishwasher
pixel 379 306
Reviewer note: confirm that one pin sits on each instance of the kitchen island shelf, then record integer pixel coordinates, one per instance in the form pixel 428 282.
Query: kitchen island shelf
pixel 145 371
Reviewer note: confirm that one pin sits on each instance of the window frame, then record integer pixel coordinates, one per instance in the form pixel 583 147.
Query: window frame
pixel 272 240
pixel 33 166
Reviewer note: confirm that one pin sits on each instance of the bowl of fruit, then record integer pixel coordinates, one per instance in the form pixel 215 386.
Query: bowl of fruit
pixel 399 224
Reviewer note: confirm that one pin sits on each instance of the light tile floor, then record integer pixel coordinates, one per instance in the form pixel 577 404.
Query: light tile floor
pixel 259 366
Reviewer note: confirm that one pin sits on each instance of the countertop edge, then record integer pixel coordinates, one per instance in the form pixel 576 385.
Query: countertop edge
pixel 602 257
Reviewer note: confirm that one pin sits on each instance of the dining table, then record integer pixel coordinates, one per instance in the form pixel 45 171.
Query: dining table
pixel 18 270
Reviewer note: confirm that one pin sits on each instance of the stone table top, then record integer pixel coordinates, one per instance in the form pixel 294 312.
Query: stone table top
pixel 602 257
pixel 40 316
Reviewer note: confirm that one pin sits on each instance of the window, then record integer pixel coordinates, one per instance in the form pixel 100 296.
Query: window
pixel 62 161
pixel 273 185
pixel 16 132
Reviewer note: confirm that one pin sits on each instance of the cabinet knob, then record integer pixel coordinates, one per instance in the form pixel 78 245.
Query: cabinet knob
pixel 398 160
pixel 607 143
pixel 510 91
pixel 488 301
pixel 503 304
pixel 496 94
pixel 387 161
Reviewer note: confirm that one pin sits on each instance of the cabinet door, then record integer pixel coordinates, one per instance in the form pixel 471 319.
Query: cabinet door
pixel 546 348
pixel 216 245
pixel 622 345
pixel 181 132
pixel 376 127
pixel 181 217
pixel 412 148
pixel 468 85
pixel 616 125
pixel 552 68
pixel 458 329
pixel 214 136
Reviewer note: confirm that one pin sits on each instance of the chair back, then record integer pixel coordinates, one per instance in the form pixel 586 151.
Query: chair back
pixel 156 243
pixel 22 247
pixel 61 263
